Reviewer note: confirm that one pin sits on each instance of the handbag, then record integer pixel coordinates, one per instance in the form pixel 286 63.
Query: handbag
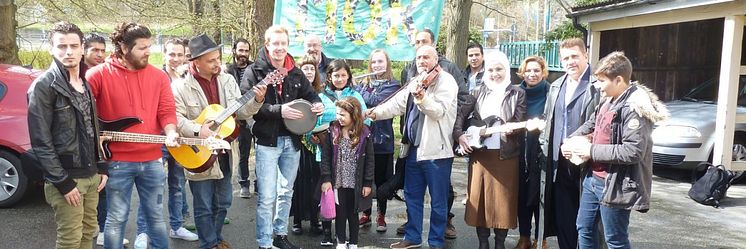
pixel 328 205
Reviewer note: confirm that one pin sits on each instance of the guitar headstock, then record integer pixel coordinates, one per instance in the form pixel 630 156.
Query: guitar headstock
pixel 214 143
pixel 275 77
pixel 535 124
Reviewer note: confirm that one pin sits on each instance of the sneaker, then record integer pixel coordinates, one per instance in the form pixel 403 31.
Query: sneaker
pixel 364 221
pixel 400 229
pixel 100 240
pixel 351 246
pixel 404 244
pixel 282 242
pixel 297 229
pixel 327 239
pixel 341 246
pixel 184 234
pixel 381 222
pixel 227 221
pixel 244 193
pixel 141 242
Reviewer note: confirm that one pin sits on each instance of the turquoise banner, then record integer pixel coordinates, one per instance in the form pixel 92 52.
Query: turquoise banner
pixel 351 29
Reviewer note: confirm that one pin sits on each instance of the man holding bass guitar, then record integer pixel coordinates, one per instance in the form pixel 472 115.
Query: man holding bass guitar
pixel 205 85
pixel 277 145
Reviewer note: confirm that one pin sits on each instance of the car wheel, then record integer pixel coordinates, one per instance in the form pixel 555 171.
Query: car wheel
pixel 13 182
pixel 739 154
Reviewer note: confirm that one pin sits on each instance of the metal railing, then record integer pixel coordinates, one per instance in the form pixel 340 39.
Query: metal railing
pixel 517 51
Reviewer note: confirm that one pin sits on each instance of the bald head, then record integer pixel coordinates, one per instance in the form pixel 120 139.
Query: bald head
pixel 426 58
pixel 312 46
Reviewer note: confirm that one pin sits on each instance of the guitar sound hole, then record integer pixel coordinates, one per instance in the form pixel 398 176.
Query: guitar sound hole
pixel 194 148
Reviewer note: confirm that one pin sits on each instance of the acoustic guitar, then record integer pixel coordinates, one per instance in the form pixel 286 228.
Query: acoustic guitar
pixel 200 148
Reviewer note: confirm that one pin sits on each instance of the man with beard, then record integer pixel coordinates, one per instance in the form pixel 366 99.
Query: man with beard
pixel 94 50
pixel 427 38
pixel 127 86
pixel 277 149
pixel 428 129
pixel 205 84
pixel 312 46
pixel 245 138
pixel 64 137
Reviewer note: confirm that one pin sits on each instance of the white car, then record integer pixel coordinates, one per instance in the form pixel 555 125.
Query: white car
pixel 687 138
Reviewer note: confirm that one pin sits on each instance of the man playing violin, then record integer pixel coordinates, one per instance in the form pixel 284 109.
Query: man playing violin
pixel 205 84
pixel 430 104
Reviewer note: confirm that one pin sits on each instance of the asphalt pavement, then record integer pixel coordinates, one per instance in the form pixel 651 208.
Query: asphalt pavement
pixel 674 221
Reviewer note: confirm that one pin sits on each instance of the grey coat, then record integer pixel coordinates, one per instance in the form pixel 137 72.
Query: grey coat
pixel 629 157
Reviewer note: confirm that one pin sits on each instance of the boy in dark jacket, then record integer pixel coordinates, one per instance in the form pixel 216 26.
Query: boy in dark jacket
pixel 64 137
pixel 618 143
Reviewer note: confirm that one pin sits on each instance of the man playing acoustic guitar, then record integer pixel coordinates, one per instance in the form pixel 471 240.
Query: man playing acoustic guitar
pixel 205 84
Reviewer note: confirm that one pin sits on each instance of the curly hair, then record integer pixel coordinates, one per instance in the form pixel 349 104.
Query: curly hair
pixel 64 28
pixel 125 35
pixel 353 107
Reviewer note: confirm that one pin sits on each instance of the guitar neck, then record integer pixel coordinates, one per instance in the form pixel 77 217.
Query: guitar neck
pixel 504 128
pixel 116 136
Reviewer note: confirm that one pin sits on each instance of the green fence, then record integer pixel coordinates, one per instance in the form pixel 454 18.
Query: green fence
pixel 517 51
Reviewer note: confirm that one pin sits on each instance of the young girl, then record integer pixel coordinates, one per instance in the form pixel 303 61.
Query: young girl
pixel 347 167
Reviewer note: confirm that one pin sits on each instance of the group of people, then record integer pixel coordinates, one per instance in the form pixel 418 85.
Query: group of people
pixel 590 160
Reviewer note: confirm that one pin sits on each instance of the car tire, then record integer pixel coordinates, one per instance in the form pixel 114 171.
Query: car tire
pixel 13 182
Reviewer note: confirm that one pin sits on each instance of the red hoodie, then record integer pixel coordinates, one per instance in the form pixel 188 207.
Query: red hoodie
pixel 145 93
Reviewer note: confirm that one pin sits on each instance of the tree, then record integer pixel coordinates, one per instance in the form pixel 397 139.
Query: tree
pixel 457 32
pixel 8 46
pixel 262 19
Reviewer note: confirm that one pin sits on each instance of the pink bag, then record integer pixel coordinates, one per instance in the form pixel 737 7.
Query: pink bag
pixel 328 207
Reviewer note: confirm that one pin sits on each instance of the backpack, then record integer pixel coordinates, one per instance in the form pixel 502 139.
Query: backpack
pixel 710 187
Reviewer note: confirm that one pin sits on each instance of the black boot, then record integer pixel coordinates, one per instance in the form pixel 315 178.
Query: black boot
pixel 282 242
pixel 484 237
pixel 500 235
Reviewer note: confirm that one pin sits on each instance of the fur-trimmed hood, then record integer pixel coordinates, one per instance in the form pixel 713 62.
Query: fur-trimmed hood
pixel 646 103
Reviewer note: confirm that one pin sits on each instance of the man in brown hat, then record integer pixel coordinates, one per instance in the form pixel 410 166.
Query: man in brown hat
pixel 205 84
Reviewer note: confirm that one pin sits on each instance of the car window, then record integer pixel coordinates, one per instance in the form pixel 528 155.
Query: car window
pixel 707 92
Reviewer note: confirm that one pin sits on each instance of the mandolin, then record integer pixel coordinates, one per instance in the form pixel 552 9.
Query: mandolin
pixel 199 148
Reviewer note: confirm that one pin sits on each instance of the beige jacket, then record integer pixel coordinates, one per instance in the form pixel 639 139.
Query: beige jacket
pixel 190 101
pixel 439 107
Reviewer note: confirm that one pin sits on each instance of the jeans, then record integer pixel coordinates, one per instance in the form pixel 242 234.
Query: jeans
pixel 150 179
pixel 101 209
pixel 245 138
pixel 75 225
pixel 615 221
pixel 211 200
pixel 276 168
pixel 177 204
pixel 434 175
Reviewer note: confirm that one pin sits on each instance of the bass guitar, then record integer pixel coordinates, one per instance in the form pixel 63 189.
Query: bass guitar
pixel 476 134
pixel 112 130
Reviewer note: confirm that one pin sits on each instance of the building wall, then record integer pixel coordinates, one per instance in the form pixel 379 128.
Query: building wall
pixel 671 59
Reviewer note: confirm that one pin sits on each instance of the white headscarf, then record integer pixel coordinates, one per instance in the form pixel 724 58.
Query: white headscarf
pixel 497 57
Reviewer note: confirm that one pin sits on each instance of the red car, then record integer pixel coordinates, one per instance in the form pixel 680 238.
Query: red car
pixel 16 171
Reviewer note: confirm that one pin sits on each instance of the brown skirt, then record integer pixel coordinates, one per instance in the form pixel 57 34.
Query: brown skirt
pixel 492 191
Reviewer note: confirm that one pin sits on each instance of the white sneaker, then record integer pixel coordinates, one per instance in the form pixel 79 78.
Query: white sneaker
pixel 351 246
pixel 341 246
pixel 100 240
pixel 184 234
pixel 141 242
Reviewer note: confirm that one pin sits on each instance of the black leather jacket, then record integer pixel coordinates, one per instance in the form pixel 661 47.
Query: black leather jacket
pixel 59 140
pixel 269 124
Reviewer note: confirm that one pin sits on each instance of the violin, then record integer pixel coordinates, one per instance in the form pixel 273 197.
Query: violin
pixel 424 80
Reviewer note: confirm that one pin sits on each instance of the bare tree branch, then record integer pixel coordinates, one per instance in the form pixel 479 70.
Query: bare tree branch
pixel 493 9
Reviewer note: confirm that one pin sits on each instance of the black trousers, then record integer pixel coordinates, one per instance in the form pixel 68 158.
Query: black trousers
pixel 566 191
pixel 245 139
pixel 384 170
pixel 346 215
